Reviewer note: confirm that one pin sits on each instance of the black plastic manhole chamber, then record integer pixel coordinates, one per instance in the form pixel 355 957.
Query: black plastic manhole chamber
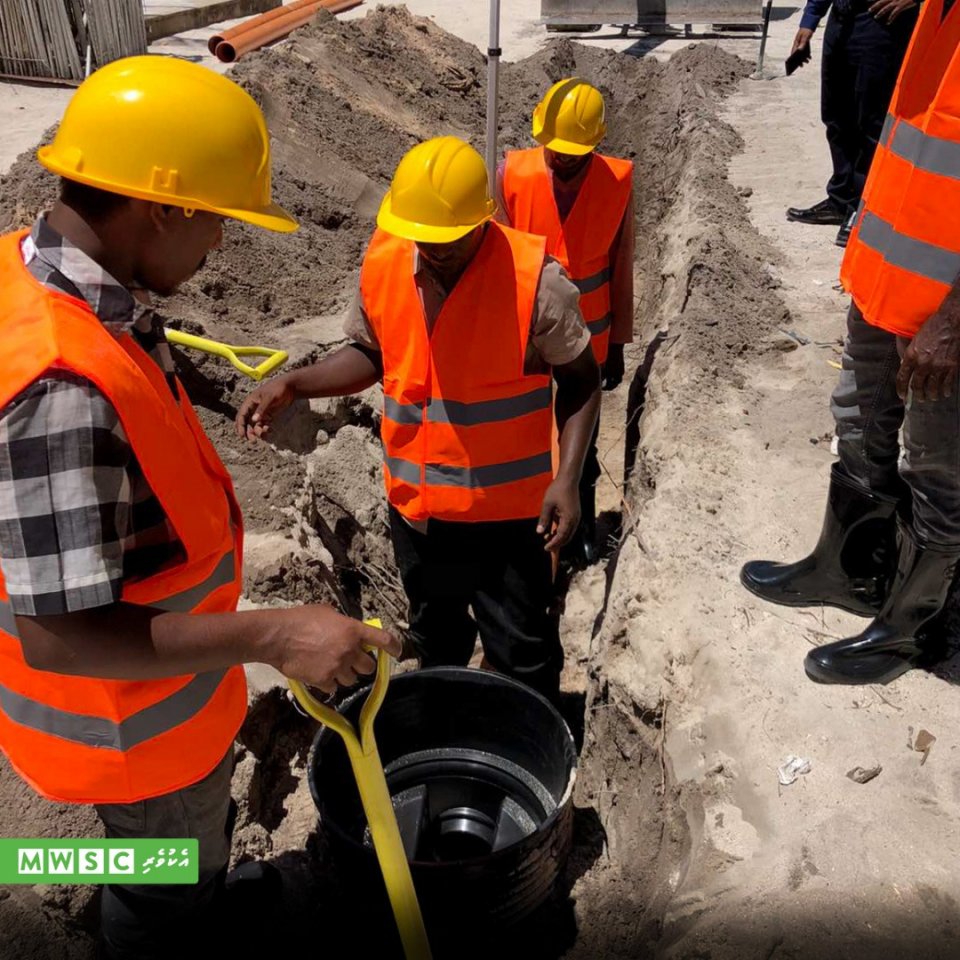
pixel 481 771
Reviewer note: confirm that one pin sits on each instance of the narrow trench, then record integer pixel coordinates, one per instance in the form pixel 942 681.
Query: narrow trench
pixel 619 804
pixel 630 833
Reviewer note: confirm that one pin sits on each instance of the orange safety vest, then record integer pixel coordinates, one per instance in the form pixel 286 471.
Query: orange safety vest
pixel 86 740
pixel 904 251
pixel 583 240
pixel 466 433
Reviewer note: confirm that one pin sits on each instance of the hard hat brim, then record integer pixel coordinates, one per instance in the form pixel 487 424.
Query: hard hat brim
pixel 567 146
pixel 271 217
pixel 425 232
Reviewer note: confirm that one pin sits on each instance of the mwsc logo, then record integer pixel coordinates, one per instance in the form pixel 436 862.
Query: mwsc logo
pixel 99 861
pixel 67 861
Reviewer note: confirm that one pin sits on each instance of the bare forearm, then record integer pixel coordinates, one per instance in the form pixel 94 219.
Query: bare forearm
pixel 128 642
pixel 577 408
pixel 351 369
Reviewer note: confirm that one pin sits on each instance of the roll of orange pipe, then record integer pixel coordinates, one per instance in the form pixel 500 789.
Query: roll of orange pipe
pixel 258 36
pixel 257 21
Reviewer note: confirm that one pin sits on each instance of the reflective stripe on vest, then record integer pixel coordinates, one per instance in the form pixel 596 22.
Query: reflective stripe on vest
pixel 583 240
pixel 96 740
pixel 924 259
pixel 589 284
pixel 474 478
pixel 926 152
pixel 466 433
pixel 107 734
pixel 469 414
pixel 596 327
pixel 903 255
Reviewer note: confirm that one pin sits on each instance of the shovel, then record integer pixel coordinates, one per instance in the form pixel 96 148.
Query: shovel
pixel 375 796
pixel 274 358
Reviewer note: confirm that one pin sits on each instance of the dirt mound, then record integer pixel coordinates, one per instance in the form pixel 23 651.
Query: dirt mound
pixel 344 101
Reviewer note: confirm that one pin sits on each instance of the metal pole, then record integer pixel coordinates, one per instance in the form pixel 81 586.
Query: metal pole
pixel 758 74
pixel 493 85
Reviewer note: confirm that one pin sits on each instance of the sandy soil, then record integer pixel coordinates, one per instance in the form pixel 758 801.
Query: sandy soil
pixel 825 867
pixel 685 845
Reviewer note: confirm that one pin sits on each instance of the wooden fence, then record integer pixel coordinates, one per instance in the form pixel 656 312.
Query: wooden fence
pixel 65 39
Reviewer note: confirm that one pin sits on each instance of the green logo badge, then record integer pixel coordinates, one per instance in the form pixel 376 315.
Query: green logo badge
pixel 99 861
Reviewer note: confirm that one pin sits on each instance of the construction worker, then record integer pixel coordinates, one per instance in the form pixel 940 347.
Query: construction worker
pixel 901 368
pixel 582 202
pixel 864 43
pixel 121 682
pixel 465 322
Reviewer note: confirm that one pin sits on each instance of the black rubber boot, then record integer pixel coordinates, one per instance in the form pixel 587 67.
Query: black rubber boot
pixel 854 560
pixel 891 644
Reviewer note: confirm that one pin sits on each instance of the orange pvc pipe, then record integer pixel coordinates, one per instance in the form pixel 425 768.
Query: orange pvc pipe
pixel 258 21
pixel 258 35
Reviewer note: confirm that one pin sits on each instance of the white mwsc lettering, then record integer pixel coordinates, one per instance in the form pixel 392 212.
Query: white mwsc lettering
pixel 90 860
pixel 60 861
pixel 121 861
pixel 30 860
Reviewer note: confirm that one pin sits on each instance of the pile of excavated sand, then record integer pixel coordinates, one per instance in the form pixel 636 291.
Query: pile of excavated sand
pixel 344 101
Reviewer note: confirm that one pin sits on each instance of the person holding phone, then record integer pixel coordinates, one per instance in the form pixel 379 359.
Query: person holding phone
pixel 863 47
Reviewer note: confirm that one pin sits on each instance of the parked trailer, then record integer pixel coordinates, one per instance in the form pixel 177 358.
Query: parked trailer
pixel 583 15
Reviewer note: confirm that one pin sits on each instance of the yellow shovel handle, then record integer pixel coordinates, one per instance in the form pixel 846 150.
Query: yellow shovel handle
pixel 377 805
pixel 274 358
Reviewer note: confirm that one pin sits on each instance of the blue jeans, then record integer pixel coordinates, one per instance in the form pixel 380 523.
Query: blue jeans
pixel 861 60
pixel 869 417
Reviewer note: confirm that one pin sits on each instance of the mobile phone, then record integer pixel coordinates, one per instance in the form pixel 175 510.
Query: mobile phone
pixel 798 58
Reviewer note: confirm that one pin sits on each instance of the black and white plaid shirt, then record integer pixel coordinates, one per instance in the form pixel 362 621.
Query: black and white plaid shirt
pixel 77 516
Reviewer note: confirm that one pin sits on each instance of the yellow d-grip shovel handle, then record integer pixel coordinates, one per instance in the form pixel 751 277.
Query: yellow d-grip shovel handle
pixel 375 796
pixel 274 358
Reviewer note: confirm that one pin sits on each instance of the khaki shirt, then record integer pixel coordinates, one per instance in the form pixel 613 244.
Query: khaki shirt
pixel 558 334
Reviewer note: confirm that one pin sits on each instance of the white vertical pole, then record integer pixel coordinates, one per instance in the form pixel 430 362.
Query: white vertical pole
pixel 493 84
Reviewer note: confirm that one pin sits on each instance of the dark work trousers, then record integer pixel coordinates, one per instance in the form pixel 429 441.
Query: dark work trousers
pixel 870 415
pixel 590 476
pixel 861 61
pixel 499 571
pixel 143 921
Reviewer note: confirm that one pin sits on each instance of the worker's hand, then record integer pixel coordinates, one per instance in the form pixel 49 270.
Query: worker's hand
pixel 612 372
pixel 802 39
pixel 256 413
pixel 886 11
pixel 320 647
pixel 561 509
pixel 931 363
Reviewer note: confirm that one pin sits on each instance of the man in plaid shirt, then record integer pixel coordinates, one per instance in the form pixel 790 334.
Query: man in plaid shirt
pixel 79 521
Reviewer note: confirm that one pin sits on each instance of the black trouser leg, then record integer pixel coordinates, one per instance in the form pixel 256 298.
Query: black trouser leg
pixel 513 604
pixel 144 922
pixel 838 110
pixel 875 51
pixel 503 572
pixel 438 576
pixel 588 485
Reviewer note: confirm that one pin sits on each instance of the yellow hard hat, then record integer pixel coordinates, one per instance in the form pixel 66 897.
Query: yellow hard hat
pixel 569 119
pixel 157 128
pixel 439 193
